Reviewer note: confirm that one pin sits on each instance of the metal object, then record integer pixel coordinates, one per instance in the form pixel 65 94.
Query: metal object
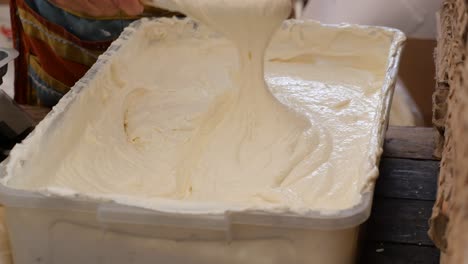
pixel 14 123
pixel 6 55
pixel 13 120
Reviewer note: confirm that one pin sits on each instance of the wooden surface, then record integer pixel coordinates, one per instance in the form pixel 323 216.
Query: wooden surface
pixel 409 143
pixel 404 195
pixel 405 192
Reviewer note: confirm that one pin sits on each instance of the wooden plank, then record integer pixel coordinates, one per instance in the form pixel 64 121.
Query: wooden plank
pixel 390 253
pixel 408 179
pixel 399 221
pixel 410 143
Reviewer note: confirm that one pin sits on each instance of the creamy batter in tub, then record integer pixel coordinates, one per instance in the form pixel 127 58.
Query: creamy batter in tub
pixel 181 120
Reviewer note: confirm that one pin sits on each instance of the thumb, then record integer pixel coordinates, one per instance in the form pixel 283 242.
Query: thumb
pixel 130 7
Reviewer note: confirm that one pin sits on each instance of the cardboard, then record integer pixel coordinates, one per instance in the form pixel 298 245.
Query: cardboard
pixel 449 221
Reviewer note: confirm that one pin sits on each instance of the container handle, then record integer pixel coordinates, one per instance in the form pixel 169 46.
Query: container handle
pixel 11 54
pixel 115 213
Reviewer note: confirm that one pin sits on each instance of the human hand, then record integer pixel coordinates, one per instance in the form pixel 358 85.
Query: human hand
pixel 101 8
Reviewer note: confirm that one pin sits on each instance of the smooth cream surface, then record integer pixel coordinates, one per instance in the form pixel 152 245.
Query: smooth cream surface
pixel 171 122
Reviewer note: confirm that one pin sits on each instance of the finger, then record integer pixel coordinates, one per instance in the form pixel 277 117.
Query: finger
pixel 104 7
pixel 83 7
pixel 130 7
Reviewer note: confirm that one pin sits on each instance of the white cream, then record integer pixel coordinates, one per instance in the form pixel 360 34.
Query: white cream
pixel 247 138
pixel 168 133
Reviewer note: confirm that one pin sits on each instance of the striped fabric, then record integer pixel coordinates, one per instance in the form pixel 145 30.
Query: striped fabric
pixel 57 47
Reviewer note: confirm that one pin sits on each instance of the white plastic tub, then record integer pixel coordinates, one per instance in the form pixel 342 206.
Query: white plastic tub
pixel 56 229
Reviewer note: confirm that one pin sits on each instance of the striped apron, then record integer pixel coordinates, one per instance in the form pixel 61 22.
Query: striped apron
pixel 57 47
